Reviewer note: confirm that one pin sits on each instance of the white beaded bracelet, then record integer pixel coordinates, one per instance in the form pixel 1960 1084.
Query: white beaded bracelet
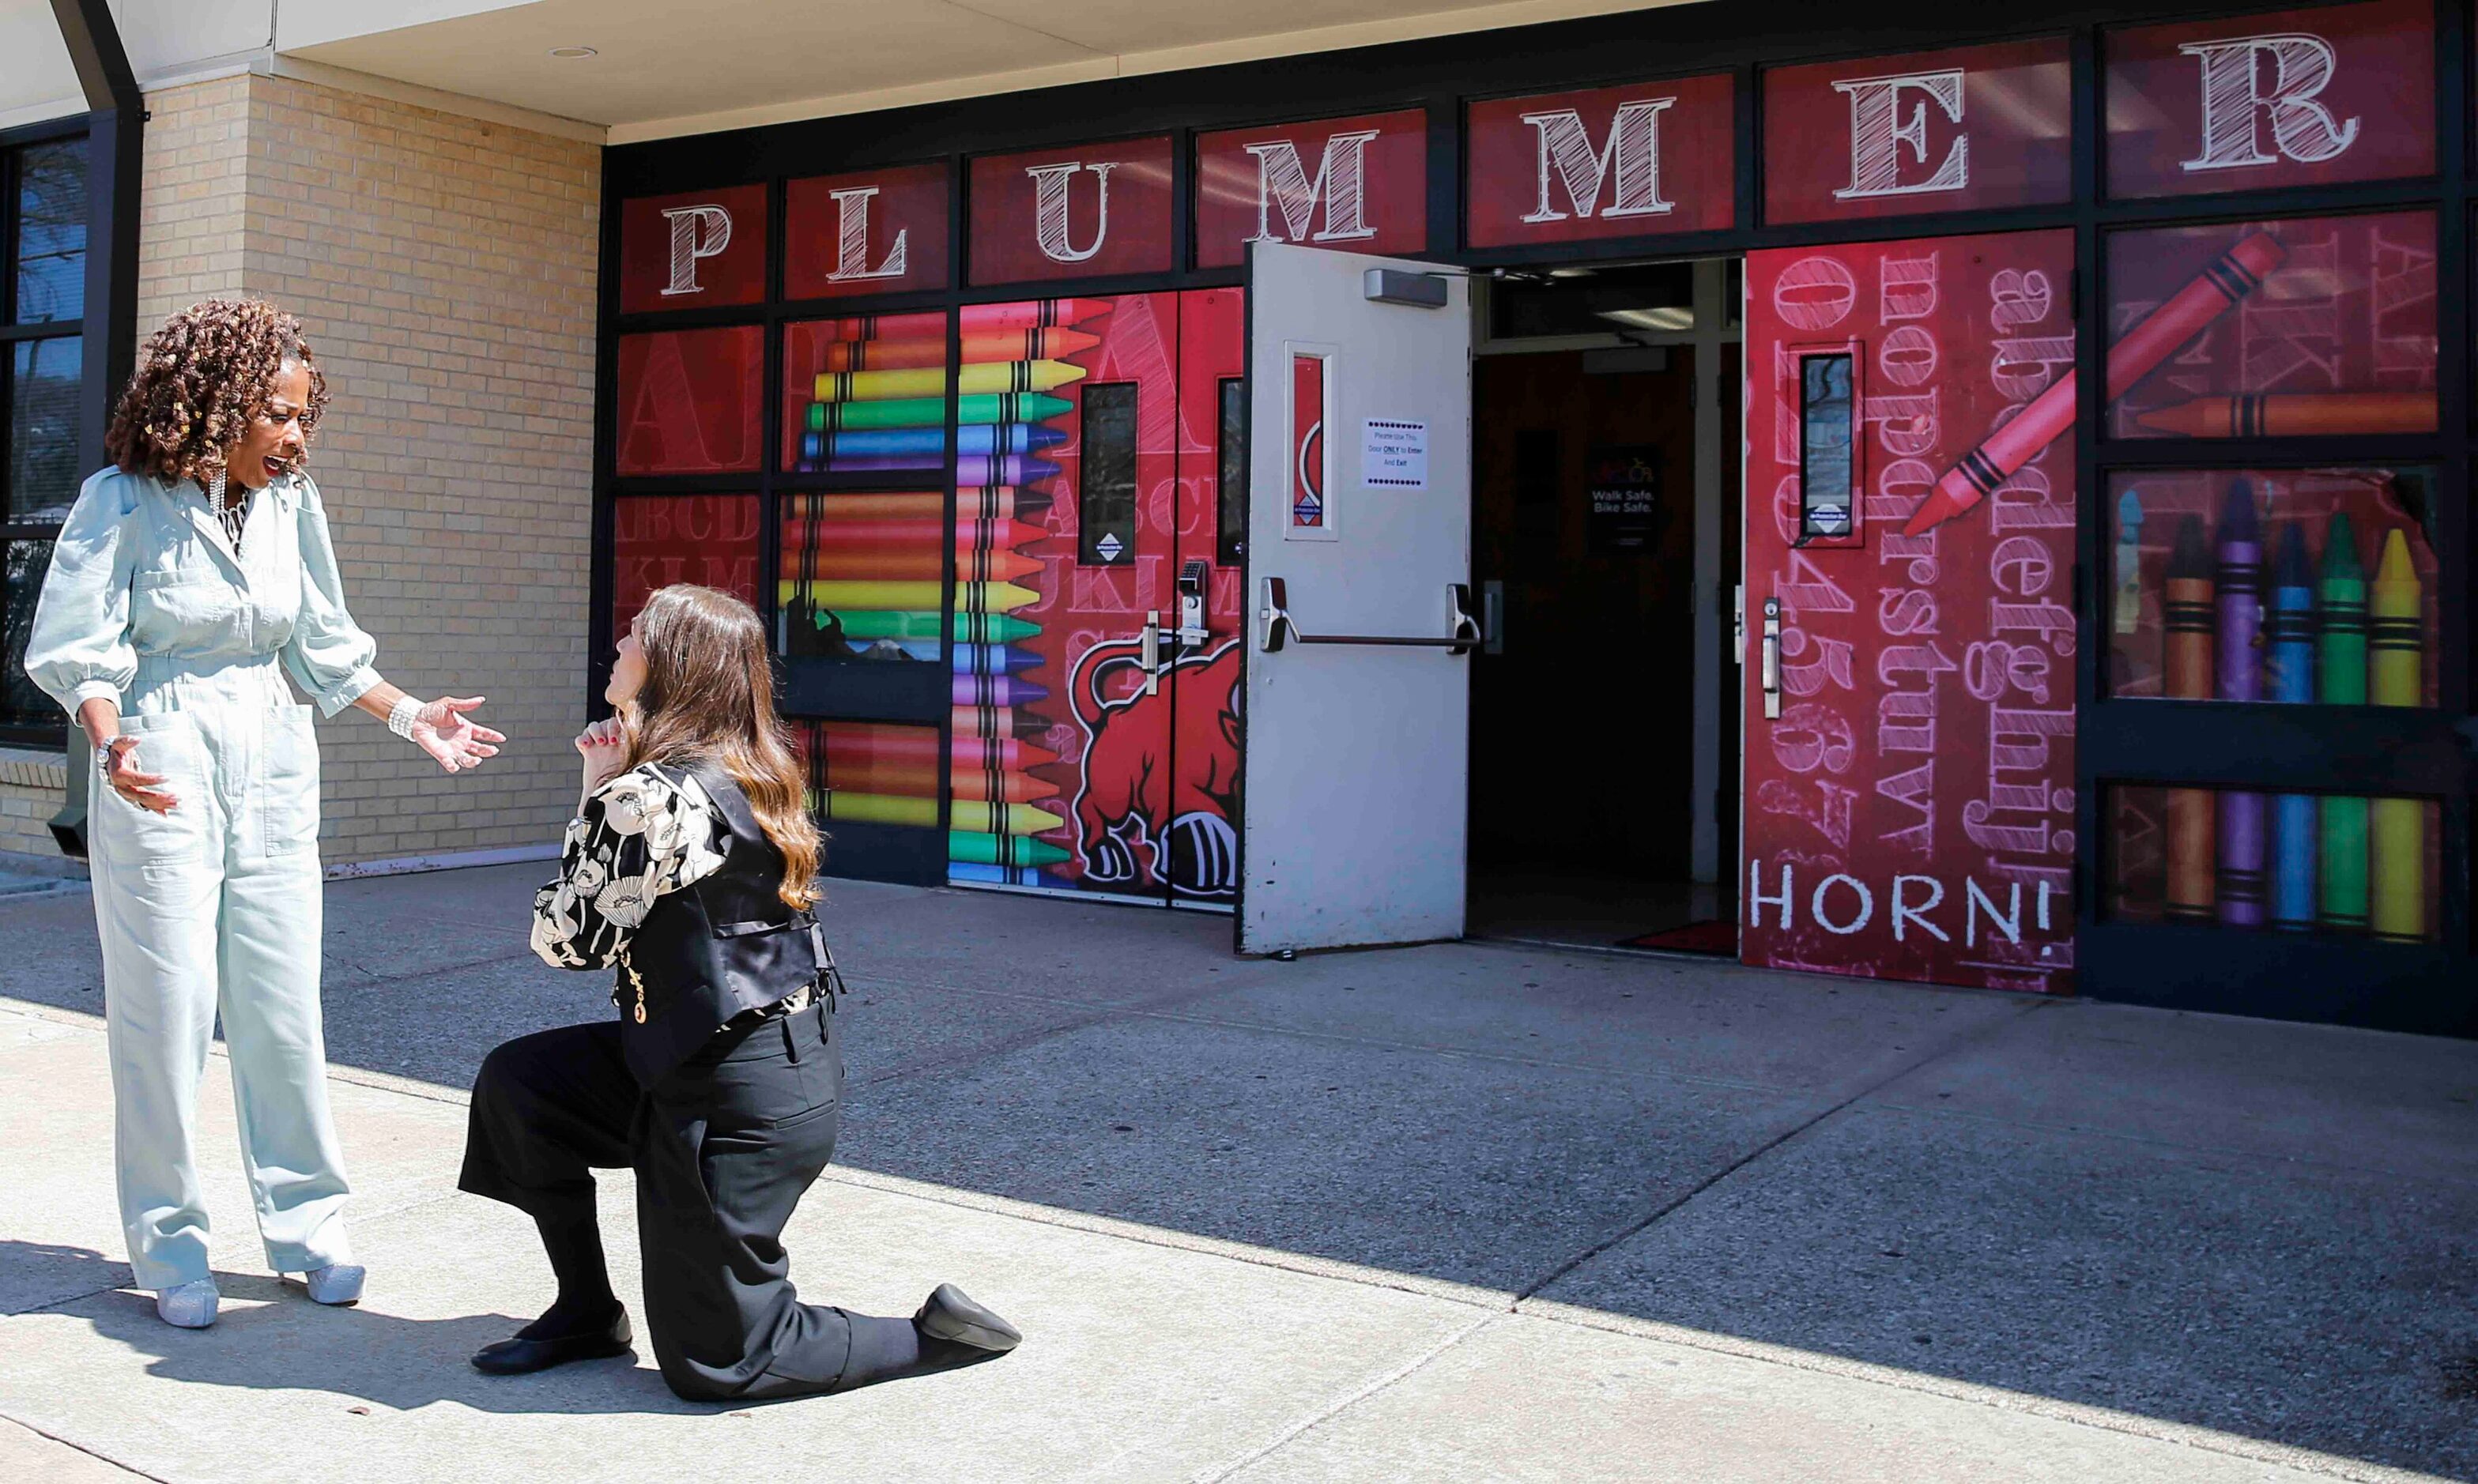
pixel 400 716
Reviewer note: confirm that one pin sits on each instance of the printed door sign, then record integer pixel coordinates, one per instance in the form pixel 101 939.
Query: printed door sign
pixel 1393 454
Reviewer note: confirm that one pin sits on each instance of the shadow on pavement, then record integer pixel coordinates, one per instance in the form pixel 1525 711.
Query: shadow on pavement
pixel 2261 1230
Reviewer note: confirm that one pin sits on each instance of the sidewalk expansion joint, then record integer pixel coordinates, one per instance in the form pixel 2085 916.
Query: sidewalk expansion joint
pixel 105 1459
pixel 1925 1058
pixel 1344 1403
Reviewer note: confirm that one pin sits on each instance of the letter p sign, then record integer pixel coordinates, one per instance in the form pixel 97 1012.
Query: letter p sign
pixel 696 231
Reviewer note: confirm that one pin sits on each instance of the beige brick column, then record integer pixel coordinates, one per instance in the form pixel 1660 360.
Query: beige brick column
pixel 444 268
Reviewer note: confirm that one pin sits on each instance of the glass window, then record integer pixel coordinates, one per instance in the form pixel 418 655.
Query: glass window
pixel 1230 486
pixel 42 247
pixel 1952 131
pixel 51 232
pixel 2297 862
pixel 2309 326
pixel 658 540
pixel 20 700
pixel 890 412
pixel 2274 584
pixel 2255 102
pixel 43 383
pixel 1827 406
pixel 690 400
pixel 872 773
pixel 863 575
pixel 1105 501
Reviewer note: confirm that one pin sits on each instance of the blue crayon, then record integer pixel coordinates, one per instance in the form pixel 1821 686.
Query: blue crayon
pixel 993 660
pixel 2288 677
pixel 931 443
pixel 977 874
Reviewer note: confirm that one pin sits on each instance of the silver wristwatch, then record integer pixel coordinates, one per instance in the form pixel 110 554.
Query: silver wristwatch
pixel 103 755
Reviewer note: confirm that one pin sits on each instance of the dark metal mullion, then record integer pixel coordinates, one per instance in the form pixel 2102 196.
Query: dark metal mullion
pixel 2092 863
pixel 959 204
pixel 2452 515
pixel 769 425
pixel 40 329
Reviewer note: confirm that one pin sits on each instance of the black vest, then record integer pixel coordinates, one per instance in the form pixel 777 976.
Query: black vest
pixel 715 947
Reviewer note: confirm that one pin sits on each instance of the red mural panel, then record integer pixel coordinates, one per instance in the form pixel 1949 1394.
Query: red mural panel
pixel 1307 441
pixel 871 231
pixel 690 400
pixel 658 540
pixel 1910 812
pixel 1613 162
pixel 1355 185
pixel 2336 333
pixel 1075 212
pixel 1952 131
pixel 2288 98
pixel 694 250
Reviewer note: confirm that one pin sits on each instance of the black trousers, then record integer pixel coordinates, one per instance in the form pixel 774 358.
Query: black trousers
pixel 723 1149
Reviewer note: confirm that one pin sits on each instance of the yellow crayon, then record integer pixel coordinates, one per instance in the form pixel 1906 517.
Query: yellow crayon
pixel 979 597
pixel 976 815
pixel 2395 635
pixel 2397 847
pixel 932 382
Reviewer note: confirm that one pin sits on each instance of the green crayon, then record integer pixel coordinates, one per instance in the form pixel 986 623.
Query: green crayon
pixel 926 623
pixel 931 412
pixel 2340 680
pixel 979 848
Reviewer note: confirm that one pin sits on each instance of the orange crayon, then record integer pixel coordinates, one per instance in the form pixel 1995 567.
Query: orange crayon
pixel 2298 415
pixel 1985 470
pixel 1000 535
pixel 2187 610
pixel 994 345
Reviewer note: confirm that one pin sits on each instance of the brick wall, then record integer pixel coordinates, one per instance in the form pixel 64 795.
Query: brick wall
pixel 444 268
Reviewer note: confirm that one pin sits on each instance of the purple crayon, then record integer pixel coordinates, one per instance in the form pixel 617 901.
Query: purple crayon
pixel 2244 839
pixel 997 690
pixel 970 469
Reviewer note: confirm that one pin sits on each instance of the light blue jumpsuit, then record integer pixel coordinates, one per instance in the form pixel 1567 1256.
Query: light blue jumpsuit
pixel 216 905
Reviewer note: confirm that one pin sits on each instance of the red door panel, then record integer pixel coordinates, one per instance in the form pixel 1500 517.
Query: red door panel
pixel 1909 811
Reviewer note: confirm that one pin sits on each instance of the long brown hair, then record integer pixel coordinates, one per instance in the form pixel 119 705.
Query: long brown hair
pixel 709 697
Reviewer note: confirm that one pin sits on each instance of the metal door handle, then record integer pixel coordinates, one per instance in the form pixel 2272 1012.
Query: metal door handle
pixel 1281 629
pixel 1151 660
pixel 1772 658
pixel 1190 632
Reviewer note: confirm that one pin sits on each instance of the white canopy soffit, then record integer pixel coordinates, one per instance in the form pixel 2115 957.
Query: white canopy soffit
pixel 661 69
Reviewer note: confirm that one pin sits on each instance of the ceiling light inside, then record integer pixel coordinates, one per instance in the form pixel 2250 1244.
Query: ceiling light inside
pixel 573 53
pixel 1667 317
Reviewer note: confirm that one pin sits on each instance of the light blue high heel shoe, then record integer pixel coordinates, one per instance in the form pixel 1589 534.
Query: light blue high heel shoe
pixel 338 1284
pixel 189 1305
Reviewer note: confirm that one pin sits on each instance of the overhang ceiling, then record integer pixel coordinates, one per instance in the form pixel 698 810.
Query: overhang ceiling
pixel 661 67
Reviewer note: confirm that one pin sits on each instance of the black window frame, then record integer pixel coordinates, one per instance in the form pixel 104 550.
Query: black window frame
pixel 43 730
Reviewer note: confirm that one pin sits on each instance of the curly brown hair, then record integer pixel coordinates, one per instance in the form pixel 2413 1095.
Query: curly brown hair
pixel 200 380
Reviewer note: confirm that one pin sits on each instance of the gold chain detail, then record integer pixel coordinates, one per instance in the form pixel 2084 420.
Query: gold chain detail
pixel 635 982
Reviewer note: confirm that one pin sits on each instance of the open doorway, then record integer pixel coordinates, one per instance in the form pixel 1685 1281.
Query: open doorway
pixel 1605 522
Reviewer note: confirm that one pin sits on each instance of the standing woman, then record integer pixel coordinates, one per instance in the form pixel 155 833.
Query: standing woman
pixel 690 867
pixel 191 578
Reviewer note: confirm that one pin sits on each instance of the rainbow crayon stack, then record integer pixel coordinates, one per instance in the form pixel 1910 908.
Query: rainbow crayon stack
pixel 2292 625
pixel 869 773
pixel 844 557
pixel 1014 365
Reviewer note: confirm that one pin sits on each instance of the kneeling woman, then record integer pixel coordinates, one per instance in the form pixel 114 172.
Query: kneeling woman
pixel 691 867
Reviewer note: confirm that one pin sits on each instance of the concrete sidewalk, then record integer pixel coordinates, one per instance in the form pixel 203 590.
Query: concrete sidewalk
pixel 1439 1213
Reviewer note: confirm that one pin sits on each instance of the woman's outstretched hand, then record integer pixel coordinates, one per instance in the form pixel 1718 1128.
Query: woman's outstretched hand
pixel 442 729
pixel 604 746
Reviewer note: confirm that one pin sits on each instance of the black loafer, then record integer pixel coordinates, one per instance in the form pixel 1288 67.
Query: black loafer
pixel 949 1315
pixel 520 1356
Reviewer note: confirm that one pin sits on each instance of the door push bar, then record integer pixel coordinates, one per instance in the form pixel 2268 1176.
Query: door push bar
pixel 1281 629
pixel 1771 672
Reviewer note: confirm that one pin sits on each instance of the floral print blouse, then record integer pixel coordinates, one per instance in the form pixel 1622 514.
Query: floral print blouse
pixel 646 831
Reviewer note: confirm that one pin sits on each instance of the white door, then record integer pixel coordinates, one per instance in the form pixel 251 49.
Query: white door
pixel 1358 685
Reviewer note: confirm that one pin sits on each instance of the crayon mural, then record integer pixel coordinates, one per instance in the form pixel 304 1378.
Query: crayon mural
pixel 1910 810
pixel 1117 508
pixel 2293 863
pixel 2333 329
